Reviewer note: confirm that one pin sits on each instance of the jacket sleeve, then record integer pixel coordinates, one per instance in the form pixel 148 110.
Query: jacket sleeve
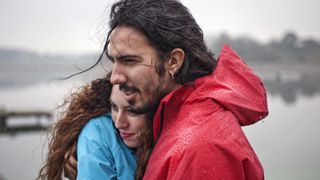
pixel 213 163
pixel 218 150
pixel 95 160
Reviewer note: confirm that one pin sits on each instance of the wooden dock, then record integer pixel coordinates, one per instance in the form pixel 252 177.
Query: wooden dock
pixel 6 128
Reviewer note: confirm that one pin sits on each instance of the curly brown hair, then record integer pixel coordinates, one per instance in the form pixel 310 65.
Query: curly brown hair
pixel 144 151
pixel 90 101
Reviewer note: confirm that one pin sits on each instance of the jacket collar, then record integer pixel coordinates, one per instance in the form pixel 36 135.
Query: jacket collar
pixel 165 115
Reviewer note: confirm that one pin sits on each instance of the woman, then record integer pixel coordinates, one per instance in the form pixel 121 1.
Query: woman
pixel 88 113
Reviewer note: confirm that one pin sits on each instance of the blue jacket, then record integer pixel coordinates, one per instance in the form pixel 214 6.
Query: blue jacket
pixel 102 154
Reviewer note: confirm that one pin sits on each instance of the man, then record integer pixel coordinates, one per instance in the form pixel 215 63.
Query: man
pixel 161 62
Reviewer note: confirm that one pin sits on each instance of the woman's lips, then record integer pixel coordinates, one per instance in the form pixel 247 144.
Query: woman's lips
pixel 126 135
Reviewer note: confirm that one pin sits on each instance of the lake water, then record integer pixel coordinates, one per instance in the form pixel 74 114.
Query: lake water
pixel 286 141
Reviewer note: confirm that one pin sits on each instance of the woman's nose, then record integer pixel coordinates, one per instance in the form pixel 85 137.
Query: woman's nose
pixel 121 121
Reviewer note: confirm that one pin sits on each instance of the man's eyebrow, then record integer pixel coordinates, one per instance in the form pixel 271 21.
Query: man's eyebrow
pixel 122 57
pixel 127 56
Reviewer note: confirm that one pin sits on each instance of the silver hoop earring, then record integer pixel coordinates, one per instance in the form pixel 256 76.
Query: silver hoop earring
pixel 172 75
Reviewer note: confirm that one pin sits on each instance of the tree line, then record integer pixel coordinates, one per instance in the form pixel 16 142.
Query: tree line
pixel 289 48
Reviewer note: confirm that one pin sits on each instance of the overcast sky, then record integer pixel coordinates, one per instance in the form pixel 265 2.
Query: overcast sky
pixel 78 26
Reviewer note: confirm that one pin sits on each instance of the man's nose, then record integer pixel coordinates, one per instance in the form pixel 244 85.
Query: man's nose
pixel 118 74
pixel 121 121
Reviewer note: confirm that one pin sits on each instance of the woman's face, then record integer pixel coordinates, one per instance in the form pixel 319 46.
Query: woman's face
pixel 130 124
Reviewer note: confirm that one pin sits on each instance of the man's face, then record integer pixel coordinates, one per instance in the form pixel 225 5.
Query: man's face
pixel 134 69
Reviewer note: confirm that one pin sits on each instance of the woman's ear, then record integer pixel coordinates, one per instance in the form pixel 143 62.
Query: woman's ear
pixel 176 60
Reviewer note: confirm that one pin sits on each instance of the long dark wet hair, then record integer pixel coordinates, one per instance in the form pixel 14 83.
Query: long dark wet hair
pixel 167 24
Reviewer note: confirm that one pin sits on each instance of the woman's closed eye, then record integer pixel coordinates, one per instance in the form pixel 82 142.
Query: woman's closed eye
pixel 114 107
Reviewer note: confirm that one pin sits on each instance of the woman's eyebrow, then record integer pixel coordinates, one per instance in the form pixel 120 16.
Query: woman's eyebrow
pixel 115 104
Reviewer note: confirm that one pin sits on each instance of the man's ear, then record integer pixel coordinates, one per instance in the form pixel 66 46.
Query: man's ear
pixel 176 60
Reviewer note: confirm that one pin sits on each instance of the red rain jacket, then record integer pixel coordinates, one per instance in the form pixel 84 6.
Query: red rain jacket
pixel 197 128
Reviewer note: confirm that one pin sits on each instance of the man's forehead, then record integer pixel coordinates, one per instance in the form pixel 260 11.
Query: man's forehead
pixel 123 39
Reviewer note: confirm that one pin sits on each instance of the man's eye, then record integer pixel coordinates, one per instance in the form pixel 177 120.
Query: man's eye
pixel 130 61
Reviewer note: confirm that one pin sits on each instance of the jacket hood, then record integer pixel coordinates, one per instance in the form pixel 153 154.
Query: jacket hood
pixel 236 87
pixel 233 85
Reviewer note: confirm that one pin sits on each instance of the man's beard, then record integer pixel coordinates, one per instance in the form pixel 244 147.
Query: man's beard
pixel 149 107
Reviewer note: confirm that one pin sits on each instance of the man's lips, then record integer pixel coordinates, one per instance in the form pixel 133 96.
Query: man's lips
pixel 129 94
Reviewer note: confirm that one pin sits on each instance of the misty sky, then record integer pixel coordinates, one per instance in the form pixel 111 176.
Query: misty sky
pixel 79 26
